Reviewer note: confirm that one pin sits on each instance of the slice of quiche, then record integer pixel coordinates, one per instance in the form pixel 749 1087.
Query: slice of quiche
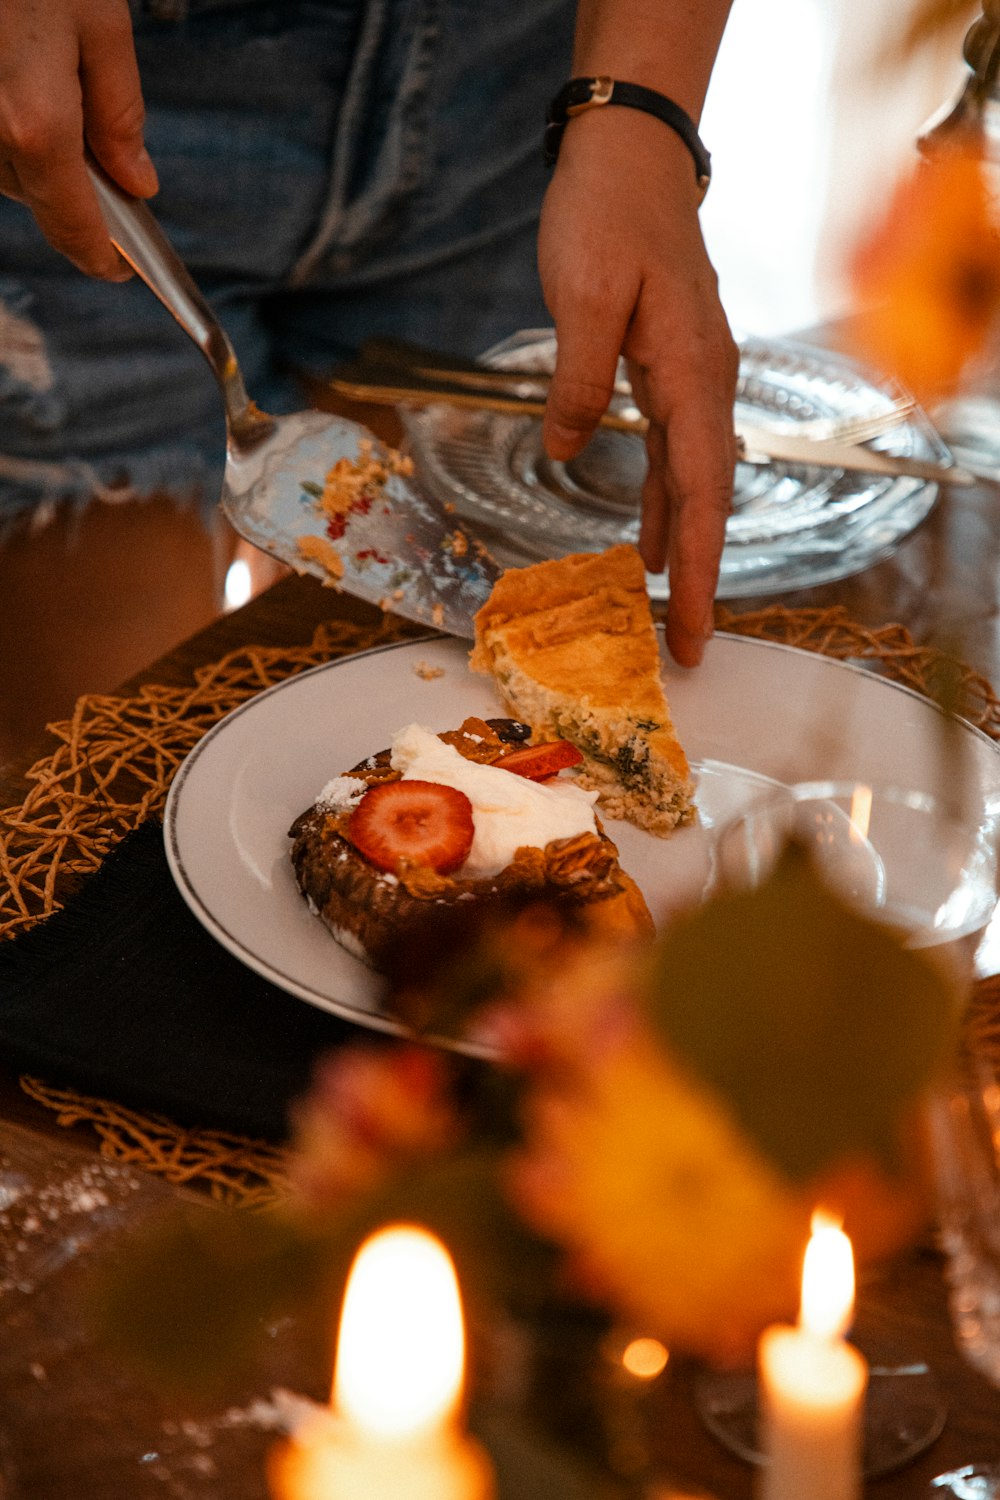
pixel 573 650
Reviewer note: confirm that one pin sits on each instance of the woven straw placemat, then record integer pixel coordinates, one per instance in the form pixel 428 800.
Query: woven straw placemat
pixel 112 764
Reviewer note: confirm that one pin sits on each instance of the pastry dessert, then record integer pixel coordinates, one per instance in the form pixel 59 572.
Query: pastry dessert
pixel 471 815
pixel 572 648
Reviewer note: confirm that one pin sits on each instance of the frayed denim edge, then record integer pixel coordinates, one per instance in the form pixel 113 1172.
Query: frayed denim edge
pixel 31 490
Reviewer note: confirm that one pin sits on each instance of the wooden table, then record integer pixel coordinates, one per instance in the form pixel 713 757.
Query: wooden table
pixel 944 583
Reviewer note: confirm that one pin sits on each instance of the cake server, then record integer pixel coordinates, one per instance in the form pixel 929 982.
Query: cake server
pixel 394 546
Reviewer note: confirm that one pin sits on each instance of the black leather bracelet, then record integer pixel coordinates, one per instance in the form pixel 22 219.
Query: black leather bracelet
pixel 581 94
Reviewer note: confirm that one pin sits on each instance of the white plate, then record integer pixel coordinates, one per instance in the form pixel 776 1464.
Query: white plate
pixel 753 713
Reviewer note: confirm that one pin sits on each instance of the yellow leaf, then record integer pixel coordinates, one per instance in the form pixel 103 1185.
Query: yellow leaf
pixel 926 276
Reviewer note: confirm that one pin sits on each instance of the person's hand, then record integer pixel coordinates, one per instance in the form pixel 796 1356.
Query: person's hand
pixel 625 272
pixel 69 79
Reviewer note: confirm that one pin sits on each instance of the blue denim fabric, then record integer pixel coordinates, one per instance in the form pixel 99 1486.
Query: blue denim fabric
pixel 330 170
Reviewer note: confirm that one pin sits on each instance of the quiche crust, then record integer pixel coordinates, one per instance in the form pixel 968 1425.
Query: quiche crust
pixel 572 647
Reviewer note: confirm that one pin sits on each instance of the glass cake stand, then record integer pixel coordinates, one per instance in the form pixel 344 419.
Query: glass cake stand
pixel 792 526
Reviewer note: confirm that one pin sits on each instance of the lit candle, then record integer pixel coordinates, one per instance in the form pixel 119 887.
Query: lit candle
pixel 393 1432
pixel 812 1383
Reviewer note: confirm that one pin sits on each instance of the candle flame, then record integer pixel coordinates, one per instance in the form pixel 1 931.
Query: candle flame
pixel 827 1280
pixel 401 1345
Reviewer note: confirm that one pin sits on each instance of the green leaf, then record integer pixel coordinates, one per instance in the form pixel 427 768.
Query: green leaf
pixel 813 1023
pixel 461 1198
pixel 188 1300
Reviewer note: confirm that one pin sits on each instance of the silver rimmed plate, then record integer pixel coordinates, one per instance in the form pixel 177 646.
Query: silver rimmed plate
pixel 753 714
pixel 792 526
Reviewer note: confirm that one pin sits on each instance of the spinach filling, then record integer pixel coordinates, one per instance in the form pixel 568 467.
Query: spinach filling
pixel 630 760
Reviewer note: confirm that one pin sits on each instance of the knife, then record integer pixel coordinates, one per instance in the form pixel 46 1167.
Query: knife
pixel 762 445
pixel 393 384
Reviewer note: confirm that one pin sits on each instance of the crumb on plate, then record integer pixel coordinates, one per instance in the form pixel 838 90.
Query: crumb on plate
pixel 427 672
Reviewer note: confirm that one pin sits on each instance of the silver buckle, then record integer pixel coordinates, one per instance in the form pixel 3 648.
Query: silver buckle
pixel 601 90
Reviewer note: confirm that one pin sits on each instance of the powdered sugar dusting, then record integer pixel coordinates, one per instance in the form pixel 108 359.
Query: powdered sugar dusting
pixel 341 794
pixel 45 1223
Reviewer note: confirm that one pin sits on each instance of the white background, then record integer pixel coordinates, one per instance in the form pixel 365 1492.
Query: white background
pixel 808 127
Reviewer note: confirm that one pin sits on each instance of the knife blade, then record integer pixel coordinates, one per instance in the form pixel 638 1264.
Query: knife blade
pixel 391 385
pixel 766 445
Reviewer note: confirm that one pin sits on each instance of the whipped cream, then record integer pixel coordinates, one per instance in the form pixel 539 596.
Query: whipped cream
pixel 508 811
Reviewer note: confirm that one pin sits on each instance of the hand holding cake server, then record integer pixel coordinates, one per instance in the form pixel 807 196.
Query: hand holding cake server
pixel 442 250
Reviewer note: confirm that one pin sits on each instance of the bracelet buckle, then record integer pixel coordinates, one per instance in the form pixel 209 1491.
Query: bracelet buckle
pixel 601 90
pixel 581 94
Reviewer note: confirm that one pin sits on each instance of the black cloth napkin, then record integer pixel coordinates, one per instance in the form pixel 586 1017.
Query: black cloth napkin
pixel 123 994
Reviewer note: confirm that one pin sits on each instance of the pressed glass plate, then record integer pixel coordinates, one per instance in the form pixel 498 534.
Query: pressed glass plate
pixel 792 525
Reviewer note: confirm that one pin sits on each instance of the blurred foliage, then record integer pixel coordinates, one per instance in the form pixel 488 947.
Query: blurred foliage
pixel 666 1118
pixel 926 274
pixel 812 1022
pixel 189 1302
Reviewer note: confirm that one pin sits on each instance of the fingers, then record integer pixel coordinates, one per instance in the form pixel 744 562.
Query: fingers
pixel 698 479
pixel 10 187
pixel 64 68
pixel 687 494
pixel 588 341
pixel 113 105
pixel 654 530
pixel 60 196
pixel 590 291
pixel 691 450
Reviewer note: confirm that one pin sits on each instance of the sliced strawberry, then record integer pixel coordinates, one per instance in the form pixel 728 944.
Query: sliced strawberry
pixel 539 762
pixel 417 821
